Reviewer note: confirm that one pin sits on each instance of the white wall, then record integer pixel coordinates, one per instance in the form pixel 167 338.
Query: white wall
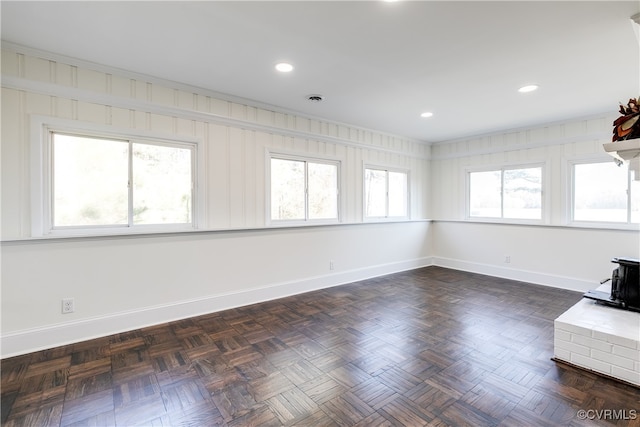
pixel 557 252
pixel 124 283
pixel 564 257
pixel 120 283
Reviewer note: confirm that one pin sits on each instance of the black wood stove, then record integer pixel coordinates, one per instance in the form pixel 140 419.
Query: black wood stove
pixel 625 286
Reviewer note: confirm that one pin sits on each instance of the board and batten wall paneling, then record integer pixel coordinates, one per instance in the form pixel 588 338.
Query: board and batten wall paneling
pixel 234 136
pixel 556 252
pixel 553 145
pixel 122 283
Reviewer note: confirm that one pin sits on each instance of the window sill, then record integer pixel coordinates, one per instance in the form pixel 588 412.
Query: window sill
pixel 301 223
pixel 383 219
pixel 194 231
pixel 572 225
pixel 604 225
pixel 537 222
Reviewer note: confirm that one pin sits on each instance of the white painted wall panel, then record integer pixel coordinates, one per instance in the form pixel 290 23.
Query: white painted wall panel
pixel 238 111
pixel 184 99
pixel 572 258
pixel 36 69
pixel 123 284
pixel 90 80
pixel 120 86
pixel 237 178
pixel 91 113
pixel 12 158
pixel 9 63
pixel 557 255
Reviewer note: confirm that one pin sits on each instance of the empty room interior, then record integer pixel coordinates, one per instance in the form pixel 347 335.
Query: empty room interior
pixel 320 213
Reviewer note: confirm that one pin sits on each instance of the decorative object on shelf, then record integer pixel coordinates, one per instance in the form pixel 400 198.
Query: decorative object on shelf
pixel 625 145
pixel 627 126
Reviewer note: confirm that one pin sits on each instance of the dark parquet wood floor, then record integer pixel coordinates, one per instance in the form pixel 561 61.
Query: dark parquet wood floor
pixel 430 347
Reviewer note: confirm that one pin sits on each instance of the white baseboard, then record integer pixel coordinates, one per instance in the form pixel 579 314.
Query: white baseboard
pixel 563 282
pixel 36 339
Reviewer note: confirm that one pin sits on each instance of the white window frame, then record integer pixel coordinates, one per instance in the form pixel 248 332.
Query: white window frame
pixel 570 196
pixel 42 177
pixel 306 159
pixel 386 169
pixel 544 214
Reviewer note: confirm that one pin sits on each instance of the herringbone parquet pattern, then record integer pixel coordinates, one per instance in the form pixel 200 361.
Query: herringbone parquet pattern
pixel 430 347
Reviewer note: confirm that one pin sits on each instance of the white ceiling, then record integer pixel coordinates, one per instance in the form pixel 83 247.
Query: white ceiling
pixel 378 64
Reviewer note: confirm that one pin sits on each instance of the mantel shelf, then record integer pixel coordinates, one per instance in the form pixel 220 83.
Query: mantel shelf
pixel 623 150
pixel 626 151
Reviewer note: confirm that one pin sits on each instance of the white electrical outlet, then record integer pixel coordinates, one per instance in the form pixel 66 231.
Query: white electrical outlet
pixel 507 259
pixel 331 266
pixel 67 305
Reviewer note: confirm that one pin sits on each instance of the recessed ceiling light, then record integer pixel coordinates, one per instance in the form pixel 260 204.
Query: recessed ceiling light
pixel 284 67
pixel 528 88
pixel 426 114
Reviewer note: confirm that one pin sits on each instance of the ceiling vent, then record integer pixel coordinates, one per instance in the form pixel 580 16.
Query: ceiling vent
pixel 315 98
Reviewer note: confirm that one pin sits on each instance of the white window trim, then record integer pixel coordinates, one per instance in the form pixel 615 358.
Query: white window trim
pixel 302 158
pixel 545 202
pixel 387 218
pixel 569 179
pixel 41 187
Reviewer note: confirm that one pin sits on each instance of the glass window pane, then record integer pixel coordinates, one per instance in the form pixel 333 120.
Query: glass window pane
pixel 600 192
pixel 323 191
pixel 397 194
pixel 162 182
pixel 484 194
pixel 375 193
pixel 90 177
pixel 522 193
pixel 287 189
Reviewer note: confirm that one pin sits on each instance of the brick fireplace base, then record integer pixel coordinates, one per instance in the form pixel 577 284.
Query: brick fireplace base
pixel 598 338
